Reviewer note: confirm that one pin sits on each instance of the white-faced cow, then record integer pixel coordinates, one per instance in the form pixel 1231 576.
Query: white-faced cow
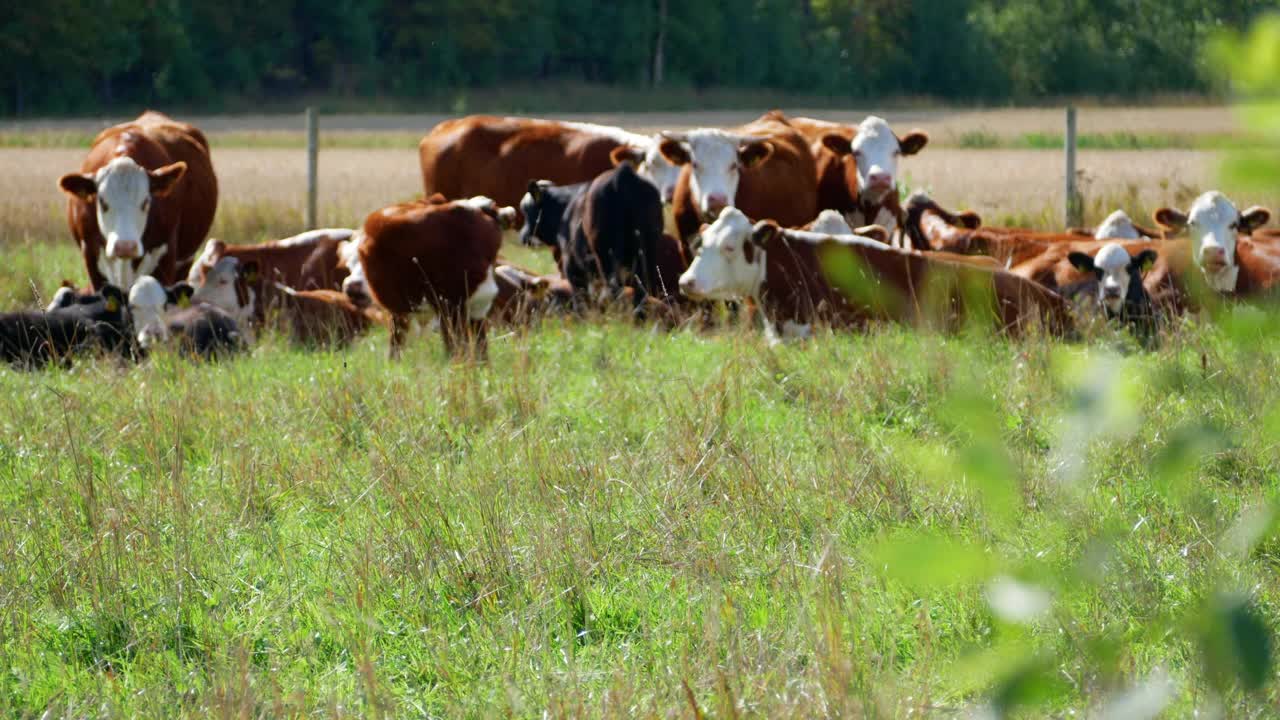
pixel 1221 247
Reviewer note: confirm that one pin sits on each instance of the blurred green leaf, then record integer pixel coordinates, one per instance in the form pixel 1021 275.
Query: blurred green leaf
pixel 849 274
pixel 1177 464
pixel 1252 60
pixel 1255 170
pixel 1237 645
pixel 1034 685
pixel 924 560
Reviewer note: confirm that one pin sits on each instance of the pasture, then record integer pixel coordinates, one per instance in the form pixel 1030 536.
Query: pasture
pixel 613 520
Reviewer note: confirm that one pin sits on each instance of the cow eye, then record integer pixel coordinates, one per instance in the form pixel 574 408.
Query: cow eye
pixel 103 204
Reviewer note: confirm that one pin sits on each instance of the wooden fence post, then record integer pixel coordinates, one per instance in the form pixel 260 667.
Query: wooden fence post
pixel 1073 210
pixel 313 151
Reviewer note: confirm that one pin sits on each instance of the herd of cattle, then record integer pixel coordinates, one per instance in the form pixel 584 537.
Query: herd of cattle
pixel 798 218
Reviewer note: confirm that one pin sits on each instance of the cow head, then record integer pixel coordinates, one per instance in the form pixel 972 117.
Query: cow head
pixel 1119 276
pixel 543 207
pixel 1117 226
pixel 354 285
pixel 1213 224
pixel 875 150
pixel 229 286
pixel 716 160
pixel 122 192
pixel 730 262
pixel 149 302
pixel 650 165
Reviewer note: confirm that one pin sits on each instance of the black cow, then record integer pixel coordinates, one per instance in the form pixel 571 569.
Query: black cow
pixel 73 324
pixel 608 230
pixel 1120 288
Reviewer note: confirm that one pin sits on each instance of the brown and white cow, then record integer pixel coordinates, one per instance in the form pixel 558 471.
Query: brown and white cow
pixel 1221 247
pixel 143 200
pixel 307 261
pixel 858 168
pixel 441 256
pixel 498 156
pixel 787 273
pixel 765 169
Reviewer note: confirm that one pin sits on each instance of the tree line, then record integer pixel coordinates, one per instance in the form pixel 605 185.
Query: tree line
pixel 78 56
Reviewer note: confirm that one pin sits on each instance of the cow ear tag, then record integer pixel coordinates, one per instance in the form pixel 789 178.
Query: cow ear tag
pixel 113 305
pixel 184 301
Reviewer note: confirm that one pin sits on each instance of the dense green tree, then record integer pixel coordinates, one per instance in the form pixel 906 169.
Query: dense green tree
pixel 78 56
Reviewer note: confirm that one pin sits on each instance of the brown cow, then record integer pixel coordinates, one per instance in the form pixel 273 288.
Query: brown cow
pixel 857 168
pixel 438 255
pixel 1221 245
pixel 765 169
pixel 326 317
pixel 498 156
pixel 783 270
pixel 308 261
pixel 143 201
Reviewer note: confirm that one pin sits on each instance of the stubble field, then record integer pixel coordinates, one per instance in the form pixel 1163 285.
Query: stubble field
pixel 614 520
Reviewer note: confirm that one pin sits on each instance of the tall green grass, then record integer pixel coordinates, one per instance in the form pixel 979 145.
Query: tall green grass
pixel 613 521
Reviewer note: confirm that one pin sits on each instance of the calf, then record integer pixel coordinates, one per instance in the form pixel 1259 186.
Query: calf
pixel 765 168
pixel 143 201
pixel 785 272
pixel 523 295
pixel 1120 289
pixel 326 317
pixel 608 231
pixel 79 323
pixel 308 261
pixel 931 227
pixel 1220 244
pixel 162 315
pixel 437 255
pixel 858 169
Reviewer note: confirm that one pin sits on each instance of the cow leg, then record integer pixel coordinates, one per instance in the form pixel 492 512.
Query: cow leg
pixel 399 329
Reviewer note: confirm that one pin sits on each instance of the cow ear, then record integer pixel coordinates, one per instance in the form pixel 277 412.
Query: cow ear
pixel 837 143
pixel 675 151
pixel 626 154
pixel 969 220
pixel 180 294
pixel 763 232
pixel 913 142
pixel 1081 261
pixel 113 297
pixel 1253 218
pixel 82 185
pixel 164 179
pixel 1144 261
pixel 754 153
pixel 1170 219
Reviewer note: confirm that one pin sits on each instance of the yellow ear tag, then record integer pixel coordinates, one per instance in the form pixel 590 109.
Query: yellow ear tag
pixel 184 301
pixel 112 304
pixel 251 276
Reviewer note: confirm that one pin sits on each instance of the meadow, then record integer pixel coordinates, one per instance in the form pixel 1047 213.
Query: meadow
pixel 613 520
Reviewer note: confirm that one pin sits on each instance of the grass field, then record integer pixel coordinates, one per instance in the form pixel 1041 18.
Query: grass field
pixel 610 520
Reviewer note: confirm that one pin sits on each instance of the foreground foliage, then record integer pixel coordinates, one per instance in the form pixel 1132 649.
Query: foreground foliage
pixel 608 520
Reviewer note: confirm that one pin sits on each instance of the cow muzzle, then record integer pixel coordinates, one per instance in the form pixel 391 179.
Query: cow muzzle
pixel 122 249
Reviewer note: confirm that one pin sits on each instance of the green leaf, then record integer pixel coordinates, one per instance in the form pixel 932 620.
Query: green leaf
pixel 1237 645
pixel 925 560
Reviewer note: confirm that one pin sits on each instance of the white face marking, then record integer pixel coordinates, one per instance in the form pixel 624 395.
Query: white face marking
pixel 121 271
pixel 219 290
pixel 830 222
pixel 123 199
pixel 876 152
pixel 147 302
pixel 206 258
pixel 716 169
pixel 1212 223
pixel 482 298
pixel 658 170
pixel 1117 226
pixel 721 271
pixel 1112 262
pixel 349 256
